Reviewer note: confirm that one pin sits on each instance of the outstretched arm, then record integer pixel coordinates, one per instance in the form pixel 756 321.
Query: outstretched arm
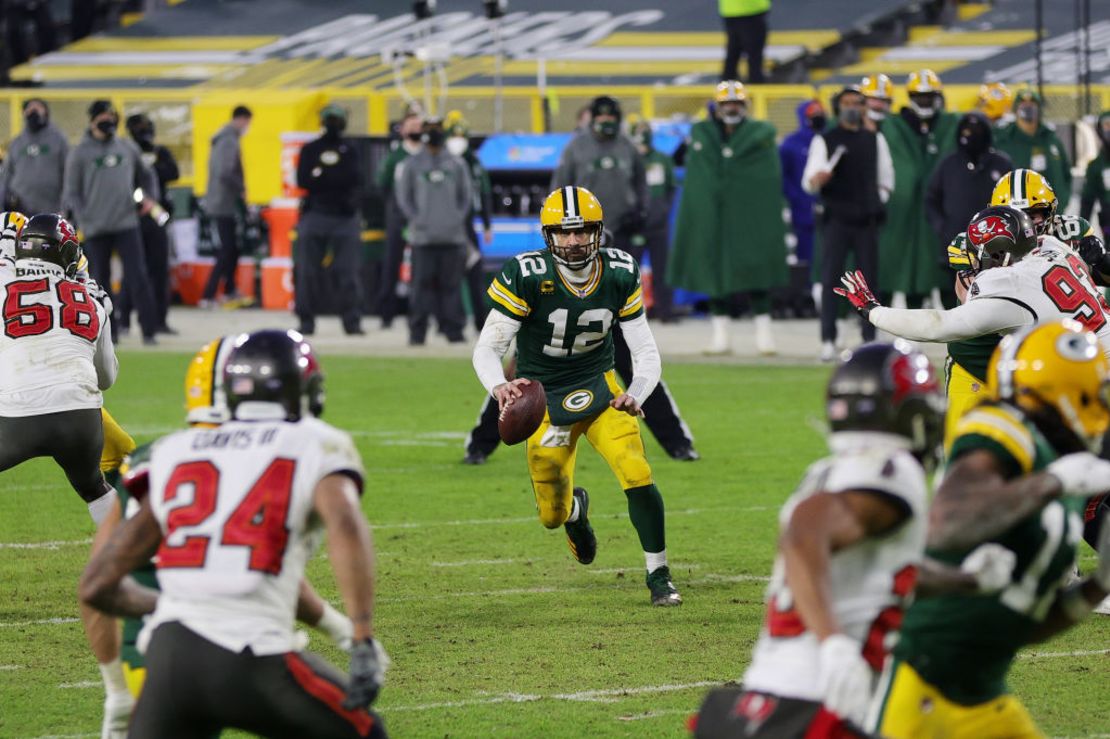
pixel 103 585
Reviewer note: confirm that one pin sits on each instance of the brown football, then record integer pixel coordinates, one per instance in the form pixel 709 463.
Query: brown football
pixel 521 419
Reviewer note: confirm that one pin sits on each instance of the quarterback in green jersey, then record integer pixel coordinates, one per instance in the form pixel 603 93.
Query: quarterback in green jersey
pixel 559 304
pixel 1019 476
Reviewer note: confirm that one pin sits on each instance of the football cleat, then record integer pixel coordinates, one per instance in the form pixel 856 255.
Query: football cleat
pixel 663 591
pixel 580 535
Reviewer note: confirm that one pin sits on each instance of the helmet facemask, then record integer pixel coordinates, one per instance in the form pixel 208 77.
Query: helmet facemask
pixel 1041 215
pixel 583 252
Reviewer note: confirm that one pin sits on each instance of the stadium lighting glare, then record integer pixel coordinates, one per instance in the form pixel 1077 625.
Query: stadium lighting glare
pixel 495 8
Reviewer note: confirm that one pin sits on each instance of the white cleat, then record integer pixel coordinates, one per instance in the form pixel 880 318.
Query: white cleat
pixel 1103 608
pixel 117 714
pixel 764 335
pixel 828 351
pixel 719 339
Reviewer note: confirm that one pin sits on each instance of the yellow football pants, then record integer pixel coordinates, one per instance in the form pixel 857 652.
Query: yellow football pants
pixel 134 677
pixel 551 453
pixel 117 443
pixel 914 709
pixel 964 391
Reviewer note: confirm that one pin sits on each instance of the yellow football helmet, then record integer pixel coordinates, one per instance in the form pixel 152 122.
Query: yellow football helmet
pixel 731 91
pixel 454 123
pixel 205 401
pixel 1060 365
pixel 877 86
pixel 923 81
pixel 12 220
pixel 1028 190
pixel 566 210
pixel 995 100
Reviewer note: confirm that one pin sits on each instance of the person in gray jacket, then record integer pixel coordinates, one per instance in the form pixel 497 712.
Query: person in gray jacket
pixel 103 173
pixel 31 178
pixel 225 197
pixel 607 164
pixel 434 194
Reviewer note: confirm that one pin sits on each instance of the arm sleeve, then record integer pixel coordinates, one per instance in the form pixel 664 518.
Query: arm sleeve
pixel 646 364
pixel 104 358
pixel 973 318
pixel 404 180
pixel 817 161
pixel 886 169
pixel 493 343
pixel 338 455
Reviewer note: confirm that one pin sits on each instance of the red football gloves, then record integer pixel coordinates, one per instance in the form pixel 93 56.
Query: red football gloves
pixel 858 293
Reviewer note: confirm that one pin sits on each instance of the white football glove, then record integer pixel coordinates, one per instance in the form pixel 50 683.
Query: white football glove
pixel 99 294
pixel 1081 474
pixel 844 678
pixel 117 714
pixel 992 566
pixel 337 627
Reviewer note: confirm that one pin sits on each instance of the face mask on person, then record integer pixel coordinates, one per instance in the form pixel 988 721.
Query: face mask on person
pixel 924 105
pixel 458 145
pixel 106 127
pixel 606 129
pixel 818 123
pixel 143 136
pixel 851 116
pixel 733 118
pixel 1028 113
pixel 433 137
pixel 334 125
pixel 876 115
pixel 973 140
pixel 36 121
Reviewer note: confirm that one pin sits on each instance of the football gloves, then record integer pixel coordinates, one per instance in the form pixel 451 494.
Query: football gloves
pixel 992 566
pixel 1081 474
pixel 367 673
pixel 857 292
pixel 844 678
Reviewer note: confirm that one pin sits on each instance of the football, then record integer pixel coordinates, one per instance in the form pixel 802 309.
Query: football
pixel 521 419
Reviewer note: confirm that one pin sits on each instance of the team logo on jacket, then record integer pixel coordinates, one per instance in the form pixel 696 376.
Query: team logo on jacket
pixel 578 400
pixel 987 229
pixel 330 157
pixel 755 707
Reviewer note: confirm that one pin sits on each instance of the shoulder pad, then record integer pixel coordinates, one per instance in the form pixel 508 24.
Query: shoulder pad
pixel 1004 425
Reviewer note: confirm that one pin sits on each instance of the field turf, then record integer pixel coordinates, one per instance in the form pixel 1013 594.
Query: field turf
pixel 493 628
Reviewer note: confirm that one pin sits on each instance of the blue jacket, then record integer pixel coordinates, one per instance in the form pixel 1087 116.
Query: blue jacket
pixel 793 152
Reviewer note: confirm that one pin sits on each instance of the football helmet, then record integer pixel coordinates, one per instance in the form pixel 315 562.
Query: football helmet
pixel 730 91
pixel 999 236
pixel 888 388
pixel 1057 365
pixel 569 210
pixel 877 86
pixel 1028 190
pixel 273 375
pixel 47 237
pixel 995 100
pixel 925 91
pixel 205 401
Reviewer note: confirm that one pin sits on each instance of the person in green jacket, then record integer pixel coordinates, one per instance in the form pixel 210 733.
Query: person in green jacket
pixel 1033 144
pixel 729 233
pixel 912 259
pixel 410 129
pixel 655 235
pixel 1096 183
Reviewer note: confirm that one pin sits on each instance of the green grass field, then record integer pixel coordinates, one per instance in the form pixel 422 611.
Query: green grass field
pixel 494 630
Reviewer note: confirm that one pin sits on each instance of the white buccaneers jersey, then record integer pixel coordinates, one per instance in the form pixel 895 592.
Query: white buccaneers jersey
pixel 56 350
pixel 235 504
pixel 1049 284
pixel 870 581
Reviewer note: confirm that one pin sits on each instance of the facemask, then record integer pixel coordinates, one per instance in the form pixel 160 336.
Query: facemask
pixel 414 136
pixel 36 121
pixel 433 137
pixel 973 141
pixel 334 125
pixel 144 137
pixel 851 116
pixel 107 127
pixel 732 120
pixel 923 111
pixel 458 145
pixel 818 123
pixel 608 129
pixel 876 115
pixel 1027 113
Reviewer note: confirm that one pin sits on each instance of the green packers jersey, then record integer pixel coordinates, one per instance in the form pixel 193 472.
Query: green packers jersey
pixel 145 575
pixel 974 354
pixel 565 338
pixel 964 644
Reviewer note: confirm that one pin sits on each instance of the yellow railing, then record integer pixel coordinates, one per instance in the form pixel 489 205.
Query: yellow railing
pixel 187 119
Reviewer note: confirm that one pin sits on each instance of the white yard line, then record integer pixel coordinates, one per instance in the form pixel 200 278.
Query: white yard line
pixel 534 519
pixel 80 685
pixel 39 622
pixel 473 562
pixel 583 695
pixel 44 544
pixel 1058 655
pixel 68 736
pixel 10 668
pixel 656 714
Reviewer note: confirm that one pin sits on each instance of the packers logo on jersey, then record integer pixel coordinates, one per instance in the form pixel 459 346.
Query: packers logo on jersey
pixel 578 400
